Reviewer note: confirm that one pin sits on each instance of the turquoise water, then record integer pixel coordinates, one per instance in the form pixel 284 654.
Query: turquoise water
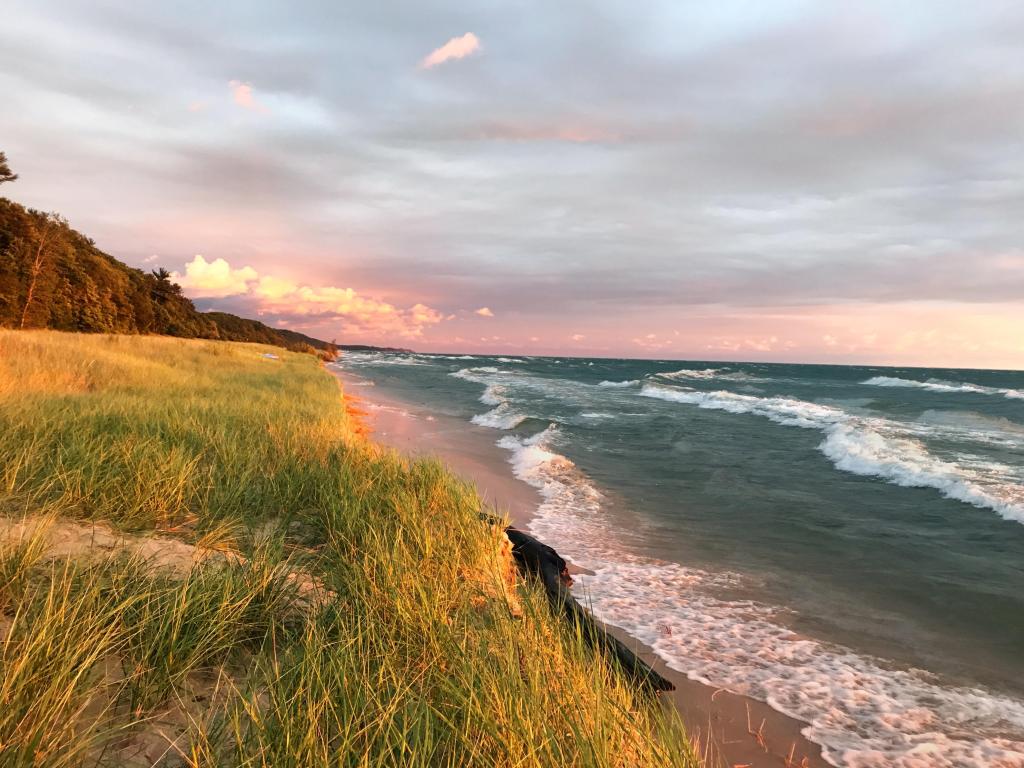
pixel 846 543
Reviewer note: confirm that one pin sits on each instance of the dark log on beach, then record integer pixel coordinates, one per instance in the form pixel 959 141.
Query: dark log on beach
pixel 540 561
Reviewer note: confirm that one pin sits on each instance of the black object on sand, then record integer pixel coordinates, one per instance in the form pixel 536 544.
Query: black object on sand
pixel 538 560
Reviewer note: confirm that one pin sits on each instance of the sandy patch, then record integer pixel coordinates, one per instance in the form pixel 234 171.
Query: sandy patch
pixel 69 539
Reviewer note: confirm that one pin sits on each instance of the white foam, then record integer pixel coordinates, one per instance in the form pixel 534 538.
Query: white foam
pixel 875 447
pixel 499 383
pixel 782 410
pixel 502 417
pixel 473 374
pixel 691 373
pixel 706 374
pixel 863 713
pixel 567 493
pixel 390 409
pixel 379 358
pixel 494 394
pixel 972 427
pixel 937 385
pixel 619 384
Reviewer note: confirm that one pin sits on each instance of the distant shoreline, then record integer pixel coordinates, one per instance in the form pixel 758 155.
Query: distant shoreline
pixel 736 723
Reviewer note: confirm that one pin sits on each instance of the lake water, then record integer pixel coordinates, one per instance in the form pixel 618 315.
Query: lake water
pixel 845 543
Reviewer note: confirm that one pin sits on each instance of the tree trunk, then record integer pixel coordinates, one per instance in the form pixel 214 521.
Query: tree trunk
pixel 542 562
pixel 37 268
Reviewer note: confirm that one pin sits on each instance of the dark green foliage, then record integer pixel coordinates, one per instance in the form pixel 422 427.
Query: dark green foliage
pixel 5 170
pixel 54 277
pixel 242 329
pixel 294 338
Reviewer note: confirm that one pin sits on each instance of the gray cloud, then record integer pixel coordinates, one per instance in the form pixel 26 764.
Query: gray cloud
pixel 591 157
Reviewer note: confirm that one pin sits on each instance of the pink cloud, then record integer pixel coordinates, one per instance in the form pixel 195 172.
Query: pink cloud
pixel 214 279
pixel 243 95
pixel 484 312
pixel 761 344
pixel 456 48
pixel 304 304
pixel 572 132
pixel 651 342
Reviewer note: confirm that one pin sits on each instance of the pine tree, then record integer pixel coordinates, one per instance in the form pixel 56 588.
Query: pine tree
pixel 5 171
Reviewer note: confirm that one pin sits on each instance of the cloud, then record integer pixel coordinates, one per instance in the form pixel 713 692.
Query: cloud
pixel 456 48
pixel 571 132
pixel 214 279
pixel 243 96
pixel 421 315
pixel 484 312
pixel 286 302
pixel 761 344
pixel 577 337
pixel 824 166
pixel 275 288
pixel 651 342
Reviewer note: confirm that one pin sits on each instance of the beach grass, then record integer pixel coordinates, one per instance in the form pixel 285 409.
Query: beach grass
pixel 351 608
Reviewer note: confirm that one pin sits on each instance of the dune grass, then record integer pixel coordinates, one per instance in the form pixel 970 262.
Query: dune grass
pixel 416 651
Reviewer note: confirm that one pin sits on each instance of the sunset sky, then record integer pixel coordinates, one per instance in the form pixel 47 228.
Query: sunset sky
pixel 792 181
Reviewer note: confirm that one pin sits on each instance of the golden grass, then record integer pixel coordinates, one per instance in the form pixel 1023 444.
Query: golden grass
pixel 419 653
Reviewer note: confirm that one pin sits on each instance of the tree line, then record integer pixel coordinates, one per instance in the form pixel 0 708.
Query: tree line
pixel 52 276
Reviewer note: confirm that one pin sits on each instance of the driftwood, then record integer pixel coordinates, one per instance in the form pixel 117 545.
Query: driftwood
pixel 538 560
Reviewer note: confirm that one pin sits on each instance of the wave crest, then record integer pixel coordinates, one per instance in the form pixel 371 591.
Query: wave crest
pixel 872 446
pixel 938 385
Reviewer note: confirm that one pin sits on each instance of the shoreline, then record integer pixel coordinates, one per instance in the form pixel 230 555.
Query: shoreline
pixel 741 731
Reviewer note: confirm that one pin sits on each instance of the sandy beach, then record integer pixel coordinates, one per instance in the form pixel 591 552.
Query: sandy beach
pixel 741 731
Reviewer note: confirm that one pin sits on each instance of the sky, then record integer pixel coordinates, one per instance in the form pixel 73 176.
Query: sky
pixel 771 180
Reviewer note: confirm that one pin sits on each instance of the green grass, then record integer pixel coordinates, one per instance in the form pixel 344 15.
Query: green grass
pixel 413 652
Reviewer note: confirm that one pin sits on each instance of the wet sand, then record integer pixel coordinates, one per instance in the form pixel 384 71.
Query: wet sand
pixel 740 731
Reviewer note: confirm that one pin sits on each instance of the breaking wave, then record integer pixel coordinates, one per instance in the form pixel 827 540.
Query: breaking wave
pixel 496 393
pixel 706 374
pixel 502 417
pixel 874 447
pixel 473 374
pixel 381 358
pixel 691 373
pixel 937 385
